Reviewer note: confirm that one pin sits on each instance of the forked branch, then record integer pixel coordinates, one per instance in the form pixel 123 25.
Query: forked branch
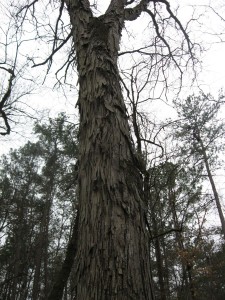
pixel 4 100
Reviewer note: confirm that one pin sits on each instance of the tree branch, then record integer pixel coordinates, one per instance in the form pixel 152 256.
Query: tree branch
pixel 81 4
pixel 166 232
pixel 56 29
pixel 3 115
pixel 190 46
pixel 54 51
pixel 161 37
pixel 5 97
pixel 154 143
pixel 132 14
pixel 26 7
pixel 130 2
pixel 117 5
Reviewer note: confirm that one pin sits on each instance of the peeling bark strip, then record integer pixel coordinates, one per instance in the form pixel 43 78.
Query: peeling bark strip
pixel 112 259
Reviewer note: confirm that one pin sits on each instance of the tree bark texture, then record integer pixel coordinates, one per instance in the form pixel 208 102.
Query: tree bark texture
pixel 112 260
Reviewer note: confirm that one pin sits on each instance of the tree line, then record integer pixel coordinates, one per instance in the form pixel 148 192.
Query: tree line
pixel 38 189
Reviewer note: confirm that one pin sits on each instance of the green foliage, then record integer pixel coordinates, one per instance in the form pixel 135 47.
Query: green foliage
pixel 180 238
pixel 199 119
pixel 38 205
pixel 38 199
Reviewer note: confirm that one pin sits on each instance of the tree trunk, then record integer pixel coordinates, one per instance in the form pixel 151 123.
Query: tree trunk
pixel 158 252
pixel 216 196
pixel 112 259
pixel 40 253
pixel 159 263
pixel 186 265
pixel 63 275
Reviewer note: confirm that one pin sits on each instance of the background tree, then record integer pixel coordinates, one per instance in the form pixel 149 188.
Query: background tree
pixel 181 238
pixel 36 223
pixel 16 80
pixel 201 129
pixel 187 262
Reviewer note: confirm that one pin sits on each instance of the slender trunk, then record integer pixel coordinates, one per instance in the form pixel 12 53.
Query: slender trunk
pixel 186 266
pixel 112 259
pixel 20 247
pixel 40 251
pixel 62 276
pixel 41 257
pixel 166 268
pixel 159 263
pixel 158 254
pixel 46 272
pixel 216 196
pixel 14 287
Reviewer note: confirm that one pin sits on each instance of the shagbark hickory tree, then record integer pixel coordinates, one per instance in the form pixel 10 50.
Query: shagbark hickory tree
pixel 112 252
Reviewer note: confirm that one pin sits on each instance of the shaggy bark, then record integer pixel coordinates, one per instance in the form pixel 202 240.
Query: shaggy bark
pixel 112 260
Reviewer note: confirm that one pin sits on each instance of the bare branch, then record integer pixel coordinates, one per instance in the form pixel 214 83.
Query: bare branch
pixel 8 129
pixel 130 2
pixel 190 46
pixel 117 5
pixel 81 4
pixel 154 143
pixel 56 29
pixel 8 70
pixel 166 232
pixel 140 51
pixel 49 59
pixel 162 38
pixel 5 98
pixel 132 14
pixel 26 7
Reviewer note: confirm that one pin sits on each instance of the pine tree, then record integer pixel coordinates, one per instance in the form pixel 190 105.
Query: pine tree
pixel 200 131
